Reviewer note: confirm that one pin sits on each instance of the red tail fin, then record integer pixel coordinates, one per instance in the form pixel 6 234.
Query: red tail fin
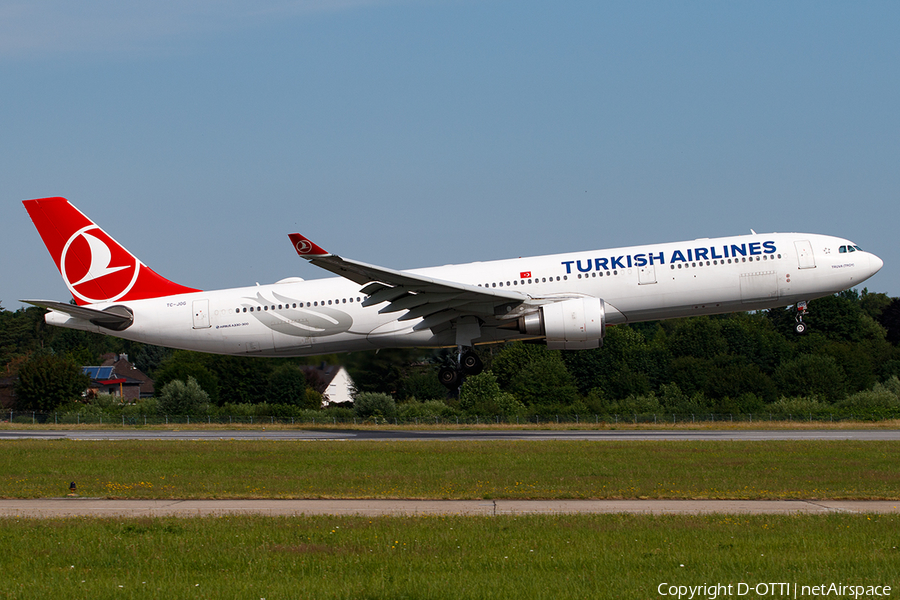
pixel 94 266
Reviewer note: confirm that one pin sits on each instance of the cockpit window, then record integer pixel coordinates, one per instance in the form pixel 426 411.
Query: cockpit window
pixel 850 248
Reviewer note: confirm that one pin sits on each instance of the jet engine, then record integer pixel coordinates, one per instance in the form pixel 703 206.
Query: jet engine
pixel 575 324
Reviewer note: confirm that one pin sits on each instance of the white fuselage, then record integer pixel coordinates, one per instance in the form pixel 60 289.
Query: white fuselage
pixel 659 281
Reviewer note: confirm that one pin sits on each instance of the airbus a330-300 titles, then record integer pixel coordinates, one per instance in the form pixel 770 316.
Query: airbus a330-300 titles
pixel 567 300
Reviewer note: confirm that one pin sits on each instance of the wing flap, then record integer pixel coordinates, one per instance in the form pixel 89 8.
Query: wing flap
pixel 436 301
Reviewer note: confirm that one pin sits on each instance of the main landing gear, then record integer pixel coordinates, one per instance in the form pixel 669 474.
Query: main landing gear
pixel 800 326
pixel 468 329
pixel 467 363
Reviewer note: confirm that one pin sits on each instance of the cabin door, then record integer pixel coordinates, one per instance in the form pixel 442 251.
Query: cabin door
pixel 805 257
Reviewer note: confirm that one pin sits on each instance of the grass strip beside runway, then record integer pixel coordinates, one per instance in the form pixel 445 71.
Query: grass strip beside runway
pixel 451 470
pixel 572 556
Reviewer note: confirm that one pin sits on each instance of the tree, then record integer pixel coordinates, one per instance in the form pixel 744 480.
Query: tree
pixel 241 379
pixel 811 374
pixel 287 385
pixel 46 381
pixel 183 398
pixel 890 320
pixel 380 371
pixel 700 337
pixel 481 394
pixel 837 317
pixel 626 364
pixel 535 375
pixel 182 365
pixel 422 385
pixel 753 337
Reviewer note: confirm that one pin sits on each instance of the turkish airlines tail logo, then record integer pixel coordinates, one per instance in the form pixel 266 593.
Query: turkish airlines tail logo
pixel 94 266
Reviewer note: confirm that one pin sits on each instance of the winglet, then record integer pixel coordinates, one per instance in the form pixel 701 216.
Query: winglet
pixel 306 248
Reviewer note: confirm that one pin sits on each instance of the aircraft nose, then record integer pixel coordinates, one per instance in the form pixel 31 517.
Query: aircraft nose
pixel 875 263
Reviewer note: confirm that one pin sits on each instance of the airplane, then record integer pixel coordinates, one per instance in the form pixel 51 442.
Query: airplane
pixel 565 300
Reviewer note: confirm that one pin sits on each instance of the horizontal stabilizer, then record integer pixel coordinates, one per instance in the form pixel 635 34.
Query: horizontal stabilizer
pixel 116 318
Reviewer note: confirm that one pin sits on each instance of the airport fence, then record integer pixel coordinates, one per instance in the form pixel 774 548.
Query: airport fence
pixel 612 420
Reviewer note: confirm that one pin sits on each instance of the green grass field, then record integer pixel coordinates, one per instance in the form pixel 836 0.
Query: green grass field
pixel 569 556
pixel 585 556
pixel 453 470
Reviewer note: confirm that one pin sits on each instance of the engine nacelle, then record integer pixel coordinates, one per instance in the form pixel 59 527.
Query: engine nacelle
pixel 576 324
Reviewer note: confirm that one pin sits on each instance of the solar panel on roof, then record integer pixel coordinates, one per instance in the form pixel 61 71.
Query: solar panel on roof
pixel 98 372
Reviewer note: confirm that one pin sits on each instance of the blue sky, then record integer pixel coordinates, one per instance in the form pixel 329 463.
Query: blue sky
pixel 409 134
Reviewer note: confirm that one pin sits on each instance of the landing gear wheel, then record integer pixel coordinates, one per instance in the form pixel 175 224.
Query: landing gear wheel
pixel 449 377
pixel 802 311
pixel 471 364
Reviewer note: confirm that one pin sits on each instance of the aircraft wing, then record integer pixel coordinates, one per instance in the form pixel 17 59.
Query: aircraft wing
pixel 117 318
pixel 436 301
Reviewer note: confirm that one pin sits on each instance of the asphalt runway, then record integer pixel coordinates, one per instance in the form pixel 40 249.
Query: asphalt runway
pixel 96 507
pixel 464 435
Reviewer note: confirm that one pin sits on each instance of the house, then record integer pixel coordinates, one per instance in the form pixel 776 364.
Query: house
pixel 332 381
pixel 118 377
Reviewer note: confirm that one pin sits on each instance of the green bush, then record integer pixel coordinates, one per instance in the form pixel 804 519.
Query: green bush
pixel 183 398
pixel 643 404
pixel 799 406
pixel 143 407
pixel 481 395
pixel 374 404
pixel 413 409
